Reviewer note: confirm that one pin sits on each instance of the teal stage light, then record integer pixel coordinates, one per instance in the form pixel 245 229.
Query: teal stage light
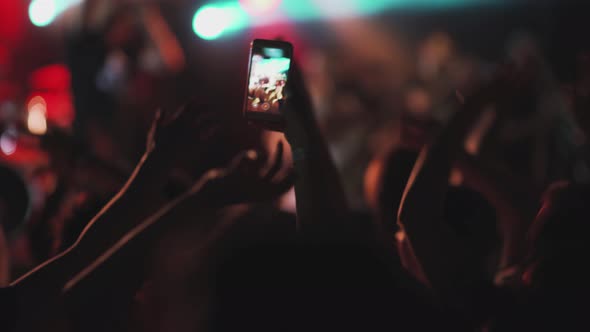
pixel 212 21
pixel 44 12
pixel 217 19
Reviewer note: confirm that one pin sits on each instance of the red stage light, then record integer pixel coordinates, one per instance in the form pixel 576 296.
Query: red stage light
pixel 51 77
pixel 12 22
pixel 51 89
pixel 258 7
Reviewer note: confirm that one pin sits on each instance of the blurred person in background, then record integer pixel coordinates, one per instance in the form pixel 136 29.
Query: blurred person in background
pixel 534 134
pixel 116 52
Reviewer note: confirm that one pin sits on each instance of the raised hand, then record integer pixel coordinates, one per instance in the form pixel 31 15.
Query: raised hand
pixel 180 132
pixel 250 178
pixel 321 202
pixel 176 140
pixel 241 181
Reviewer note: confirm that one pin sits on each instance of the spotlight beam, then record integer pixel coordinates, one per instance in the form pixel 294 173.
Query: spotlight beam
pixel 214 20
pixel 44 12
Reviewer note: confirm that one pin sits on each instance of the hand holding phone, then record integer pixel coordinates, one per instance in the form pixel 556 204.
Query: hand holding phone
pixel 268 76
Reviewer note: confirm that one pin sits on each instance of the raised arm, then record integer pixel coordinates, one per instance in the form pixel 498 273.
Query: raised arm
pixel 515 202
pixel 444 260
pixel 41 288
pixel 140 197
pixel 321 202
pixel 163 39
pixel 240 182
pixel 134 211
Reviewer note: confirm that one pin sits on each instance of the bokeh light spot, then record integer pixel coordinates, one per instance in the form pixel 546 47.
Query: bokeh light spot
pixel 8 142
pixel 37 120
pixel 210 22
pixel 42 12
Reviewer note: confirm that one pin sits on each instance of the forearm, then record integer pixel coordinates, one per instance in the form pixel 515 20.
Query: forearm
pixel 436 252
pixel 163 39
pixel 126 208
pixel 321 202
pixel 139 240
pixel 514 200
pixel 502 189
pixel 421 215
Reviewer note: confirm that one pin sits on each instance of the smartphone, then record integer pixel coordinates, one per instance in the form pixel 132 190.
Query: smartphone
pixel 268 76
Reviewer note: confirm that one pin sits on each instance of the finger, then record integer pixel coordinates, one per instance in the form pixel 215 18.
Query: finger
pixel 170 116
pixel 187 113
pixel 243 160
pixel 277 164
pixel 154 127
pixel 283 185
pixel 157 117
pixel 250 166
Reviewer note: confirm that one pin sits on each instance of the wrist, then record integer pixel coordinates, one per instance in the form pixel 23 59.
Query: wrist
pixel 299 155
pixel 303 156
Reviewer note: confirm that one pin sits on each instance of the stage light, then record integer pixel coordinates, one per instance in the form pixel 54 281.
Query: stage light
pixel 212 21
pixel 8 141
pixel 42 12
pixel 37 116
pixel 209 22
pixel 36 100
pixel 306 10
pixel 215 20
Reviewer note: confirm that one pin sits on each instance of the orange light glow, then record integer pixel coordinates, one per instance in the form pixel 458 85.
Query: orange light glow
pixel 37 116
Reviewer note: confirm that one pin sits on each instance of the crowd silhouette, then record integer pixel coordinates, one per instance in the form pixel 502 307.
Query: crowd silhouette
pixel 475 213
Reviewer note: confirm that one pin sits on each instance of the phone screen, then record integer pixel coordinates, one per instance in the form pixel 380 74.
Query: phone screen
pixel 269 67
